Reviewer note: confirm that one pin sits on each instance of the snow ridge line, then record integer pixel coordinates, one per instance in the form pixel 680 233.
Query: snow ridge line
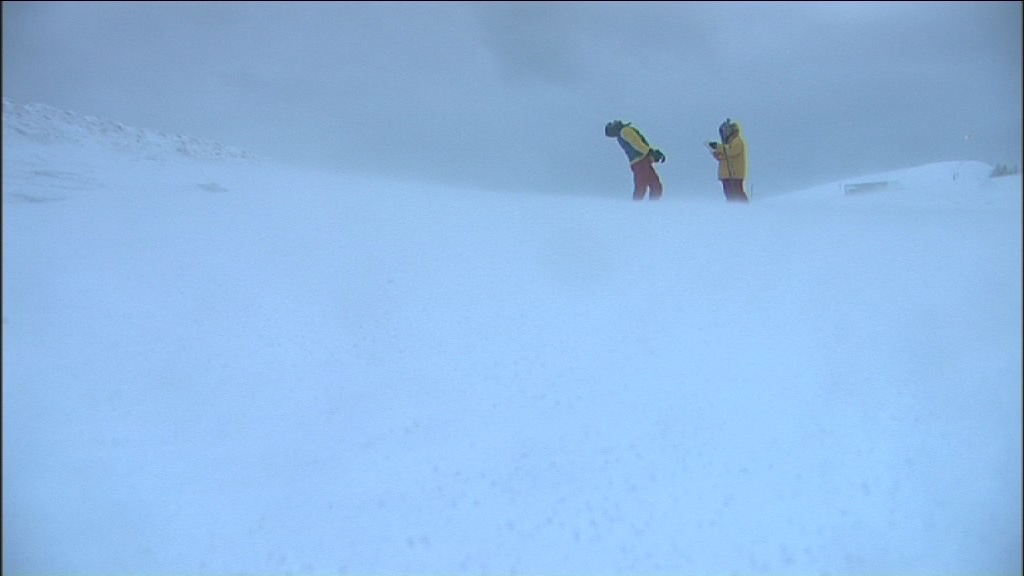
pixel 48 125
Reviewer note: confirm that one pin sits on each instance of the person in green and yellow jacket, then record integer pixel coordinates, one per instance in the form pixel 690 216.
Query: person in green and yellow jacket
pixel 641 158
pixel 731 154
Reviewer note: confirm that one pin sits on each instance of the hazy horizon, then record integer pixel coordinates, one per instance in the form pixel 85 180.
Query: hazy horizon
pixel 513 96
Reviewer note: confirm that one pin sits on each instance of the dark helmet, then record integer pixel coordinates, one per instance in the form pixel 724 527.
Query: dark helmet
pixel 727 129
pixel 613 128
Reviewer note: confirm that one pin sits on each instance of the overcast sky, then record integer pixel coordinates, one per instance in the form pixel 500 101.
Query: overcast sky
pixel 516 95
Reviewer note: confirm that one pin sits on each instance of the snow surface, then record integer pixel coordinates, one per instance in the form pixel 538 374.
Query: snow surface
pixel 212 363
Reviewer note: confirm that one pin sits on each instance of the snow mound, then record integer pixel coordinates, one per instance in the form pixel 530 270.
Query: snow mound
pixel 45 125
pixel 954 182
pixel 928 175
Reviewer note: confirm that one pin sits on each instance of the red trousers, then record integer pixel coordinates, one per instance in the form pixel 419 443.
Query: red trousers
pixel 733 188
pixel 644 179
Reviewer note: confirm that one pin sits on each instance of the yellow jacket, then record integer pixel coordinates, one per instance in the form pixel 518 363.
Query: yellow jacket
pixel 732 157
pixel 633 143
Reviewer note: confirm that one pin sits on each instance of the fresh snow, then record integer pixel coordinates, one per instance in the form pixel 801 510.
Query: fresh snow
pixel 217 364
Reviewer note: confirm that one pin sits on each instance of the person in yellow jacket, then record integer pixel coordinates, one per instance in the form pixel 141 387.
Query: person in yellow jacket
pixel 731 154
pixel 641 158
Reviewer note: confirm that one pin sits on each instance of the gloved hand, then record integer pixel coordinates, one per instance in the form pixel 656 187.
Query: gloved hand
pixel 656 155
pixel 712 145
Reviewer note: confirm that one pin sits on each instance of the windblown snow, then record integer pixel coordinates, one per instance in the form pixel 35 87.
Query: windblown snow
pixel 214 364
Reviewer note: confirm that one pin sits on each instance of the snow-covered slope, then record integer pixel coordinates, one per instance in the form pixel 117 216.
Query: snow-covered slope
pixel 51 155
pixel 42 124
pixel 941 183
pixel 232 367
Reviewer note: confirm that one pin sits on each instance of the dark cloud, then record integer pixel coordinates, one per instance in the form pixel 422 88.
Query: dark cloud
pixel 514 95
